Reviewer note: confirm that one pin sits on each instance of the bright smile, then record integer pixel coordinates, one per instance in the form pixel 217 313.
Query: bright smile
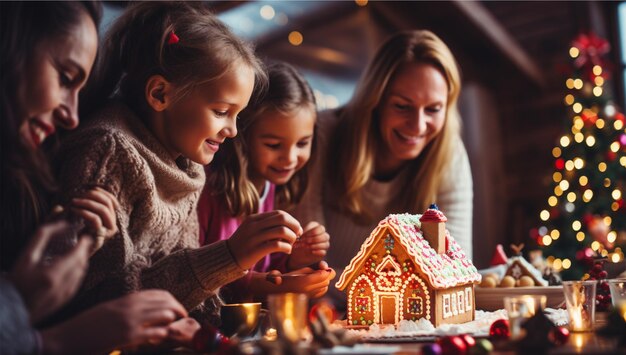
pixel 409 139
pixel 39 131
pixel 213 145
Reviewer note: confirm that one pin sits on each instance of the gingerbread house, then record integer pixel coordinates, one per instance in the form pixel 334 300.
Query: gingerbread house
pixel 517 267
pixel 410 268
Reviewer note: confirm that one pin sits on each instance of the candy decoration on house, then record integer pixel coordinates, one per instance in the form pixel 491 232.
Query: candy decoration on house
pixel 410 268
pixel 585 203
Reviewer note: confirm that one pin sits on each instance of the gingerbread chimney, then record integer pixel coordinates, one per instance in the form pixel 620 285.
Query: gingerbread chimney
pixel 434 228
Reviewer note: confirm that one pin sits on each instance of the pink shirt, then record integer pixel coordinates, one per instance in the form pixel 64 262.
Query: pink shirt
pixel 217 224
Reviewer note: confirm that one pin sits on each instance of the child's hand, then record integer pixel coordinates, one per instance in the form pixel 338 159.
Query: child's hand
pixel 97 208
pixel 305 280
pixel 262 234
pixel 310 248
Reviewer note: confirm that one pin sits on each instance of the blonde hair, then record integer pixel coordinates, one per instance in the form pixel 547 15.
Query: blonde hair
pixel 288 92
pixel 356 139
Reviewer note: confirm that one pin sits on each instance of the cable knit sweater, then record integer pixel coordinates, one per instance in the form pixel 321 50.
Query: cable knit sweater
pixel 454 198
pixel 157 243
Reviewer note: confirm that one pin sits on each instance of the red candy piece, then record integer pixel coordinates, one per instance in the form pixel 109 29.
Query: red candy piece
pixel 452 345
pixel 500 329
pixel 559 335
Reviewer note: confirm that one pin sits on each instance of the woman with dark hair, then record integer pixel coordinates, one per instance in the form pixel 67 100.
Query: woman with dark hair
pixel 47 52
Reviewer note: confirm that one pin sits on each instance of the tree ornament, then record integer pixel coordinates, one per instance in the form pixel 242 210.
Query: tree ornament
pixel 500 329
pixel 209 339
pixel 452 345
pixel 431 349
pixel 482 347
pixel 559 335
pixel 468 340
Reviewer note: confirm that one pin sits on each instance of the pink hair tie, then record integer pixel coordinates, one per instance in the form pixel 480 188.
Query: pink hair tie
pixel 172 38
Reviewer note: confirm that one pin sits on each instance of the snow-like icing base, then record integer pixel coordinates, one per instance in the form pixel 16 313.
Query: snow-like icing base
pixel 423 328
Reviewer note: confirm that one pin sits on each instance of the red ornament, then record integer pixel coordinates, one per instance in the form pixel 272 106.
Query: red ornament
pixel 452 345
pixel 326 309
pixel 172 38
pixel 209 339
pixel 559 164
pixel 500 329
pixel 592 48
pixel 468 340
pixel 559 335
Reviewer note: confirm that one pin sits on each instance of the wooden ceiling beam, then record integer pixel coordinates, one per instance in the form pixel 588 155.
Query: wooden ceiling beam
pixel 493 30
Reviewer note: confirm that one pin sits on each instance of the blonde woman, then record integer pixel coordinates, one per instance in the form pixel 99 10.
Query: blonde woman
pixel 395 147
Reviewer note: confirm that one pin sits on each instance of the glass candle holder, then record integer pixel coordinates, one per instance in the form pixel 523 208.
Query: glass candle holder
pixel 580 299
pixel 288 313
pixel 618 291
pixel 520 308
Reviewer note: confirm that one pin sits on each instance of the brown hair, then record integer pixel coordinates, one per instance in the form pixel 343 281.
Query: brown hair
pixel 136 47
pixel 288 92
pixel 356 139
pixel 26 178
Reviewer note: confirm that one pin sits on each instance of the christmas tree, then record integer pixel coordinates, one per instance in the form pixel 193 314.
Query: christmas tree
pixel 585 214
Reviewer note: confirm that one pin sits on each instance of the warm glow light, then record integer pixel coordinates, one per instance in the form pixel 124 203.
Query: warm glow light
pixel 622 161
pixel 606 182
pixel 576 226
pixel 604 252
pixel 617 124
pixel 574 52
pixel 600 123
pixel 597 91
pixel 544 215
pixel 607 220
pixel 564 141
pixel 578 84
pixel 552 201
pixel 569 83
pixel 267 12
pixel 361 2
pixel 578 123
pixel 597 70
pixel 564 184
pixel 295 38
pixel 571 197
pixel 595 245
pixel 615 206
pixel 567 263
pixel 558 191
pixel 570 207
pixel 579 163
pixel 555 234
pixel 615 258
pixel 599 81
pixel 580 236
pixel 587 195
pixel 569 99
pixel 583 180
pixel 602 167
pixel 546 240
pixel 557 176
pixel 577 107
pixel 557 264
pixel 615 147
pixel 569 165
pixel 579 137
pixel 616 194
pixel 556 152
pixel 591 140
pixel 611 237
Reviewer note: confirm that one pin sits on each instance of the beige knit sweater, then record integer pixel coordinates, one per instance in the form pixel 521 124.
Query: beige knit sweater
pixel 157 243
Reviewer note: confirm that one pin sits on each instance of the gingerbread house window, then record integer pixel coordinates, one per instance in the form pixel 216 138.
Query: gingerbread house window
pixel 362 304
pixel 415 306
pixel 447 311
pixel 468 298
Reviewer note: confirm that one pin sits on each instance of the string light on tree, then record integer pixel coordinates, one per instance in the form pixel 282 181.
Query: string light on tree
pixel 584 211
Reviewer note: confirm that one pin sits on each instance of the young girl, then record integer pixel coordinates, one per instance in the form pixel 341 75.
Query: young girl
pixel 179 78
pixel 264 166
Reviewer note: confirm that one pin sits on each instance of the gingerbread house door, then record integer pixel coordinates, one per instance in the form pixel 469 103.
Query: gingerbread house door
pixel 388 307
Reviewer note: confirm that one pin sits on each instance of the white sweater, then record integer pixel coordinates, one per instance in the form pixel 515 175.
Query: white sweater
pixel 454 199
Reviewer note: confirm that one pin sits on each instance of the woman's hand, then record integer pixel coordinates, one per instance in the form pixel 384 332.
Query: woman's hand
pixel 262 234
pixel 45 286
pixel 141 318
pixel 310 248
pixel 97 208
pixel 305 280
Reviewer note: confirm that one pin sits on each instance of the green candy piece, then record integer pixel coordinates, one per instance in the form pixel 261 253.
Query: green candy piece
pixel 482 347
